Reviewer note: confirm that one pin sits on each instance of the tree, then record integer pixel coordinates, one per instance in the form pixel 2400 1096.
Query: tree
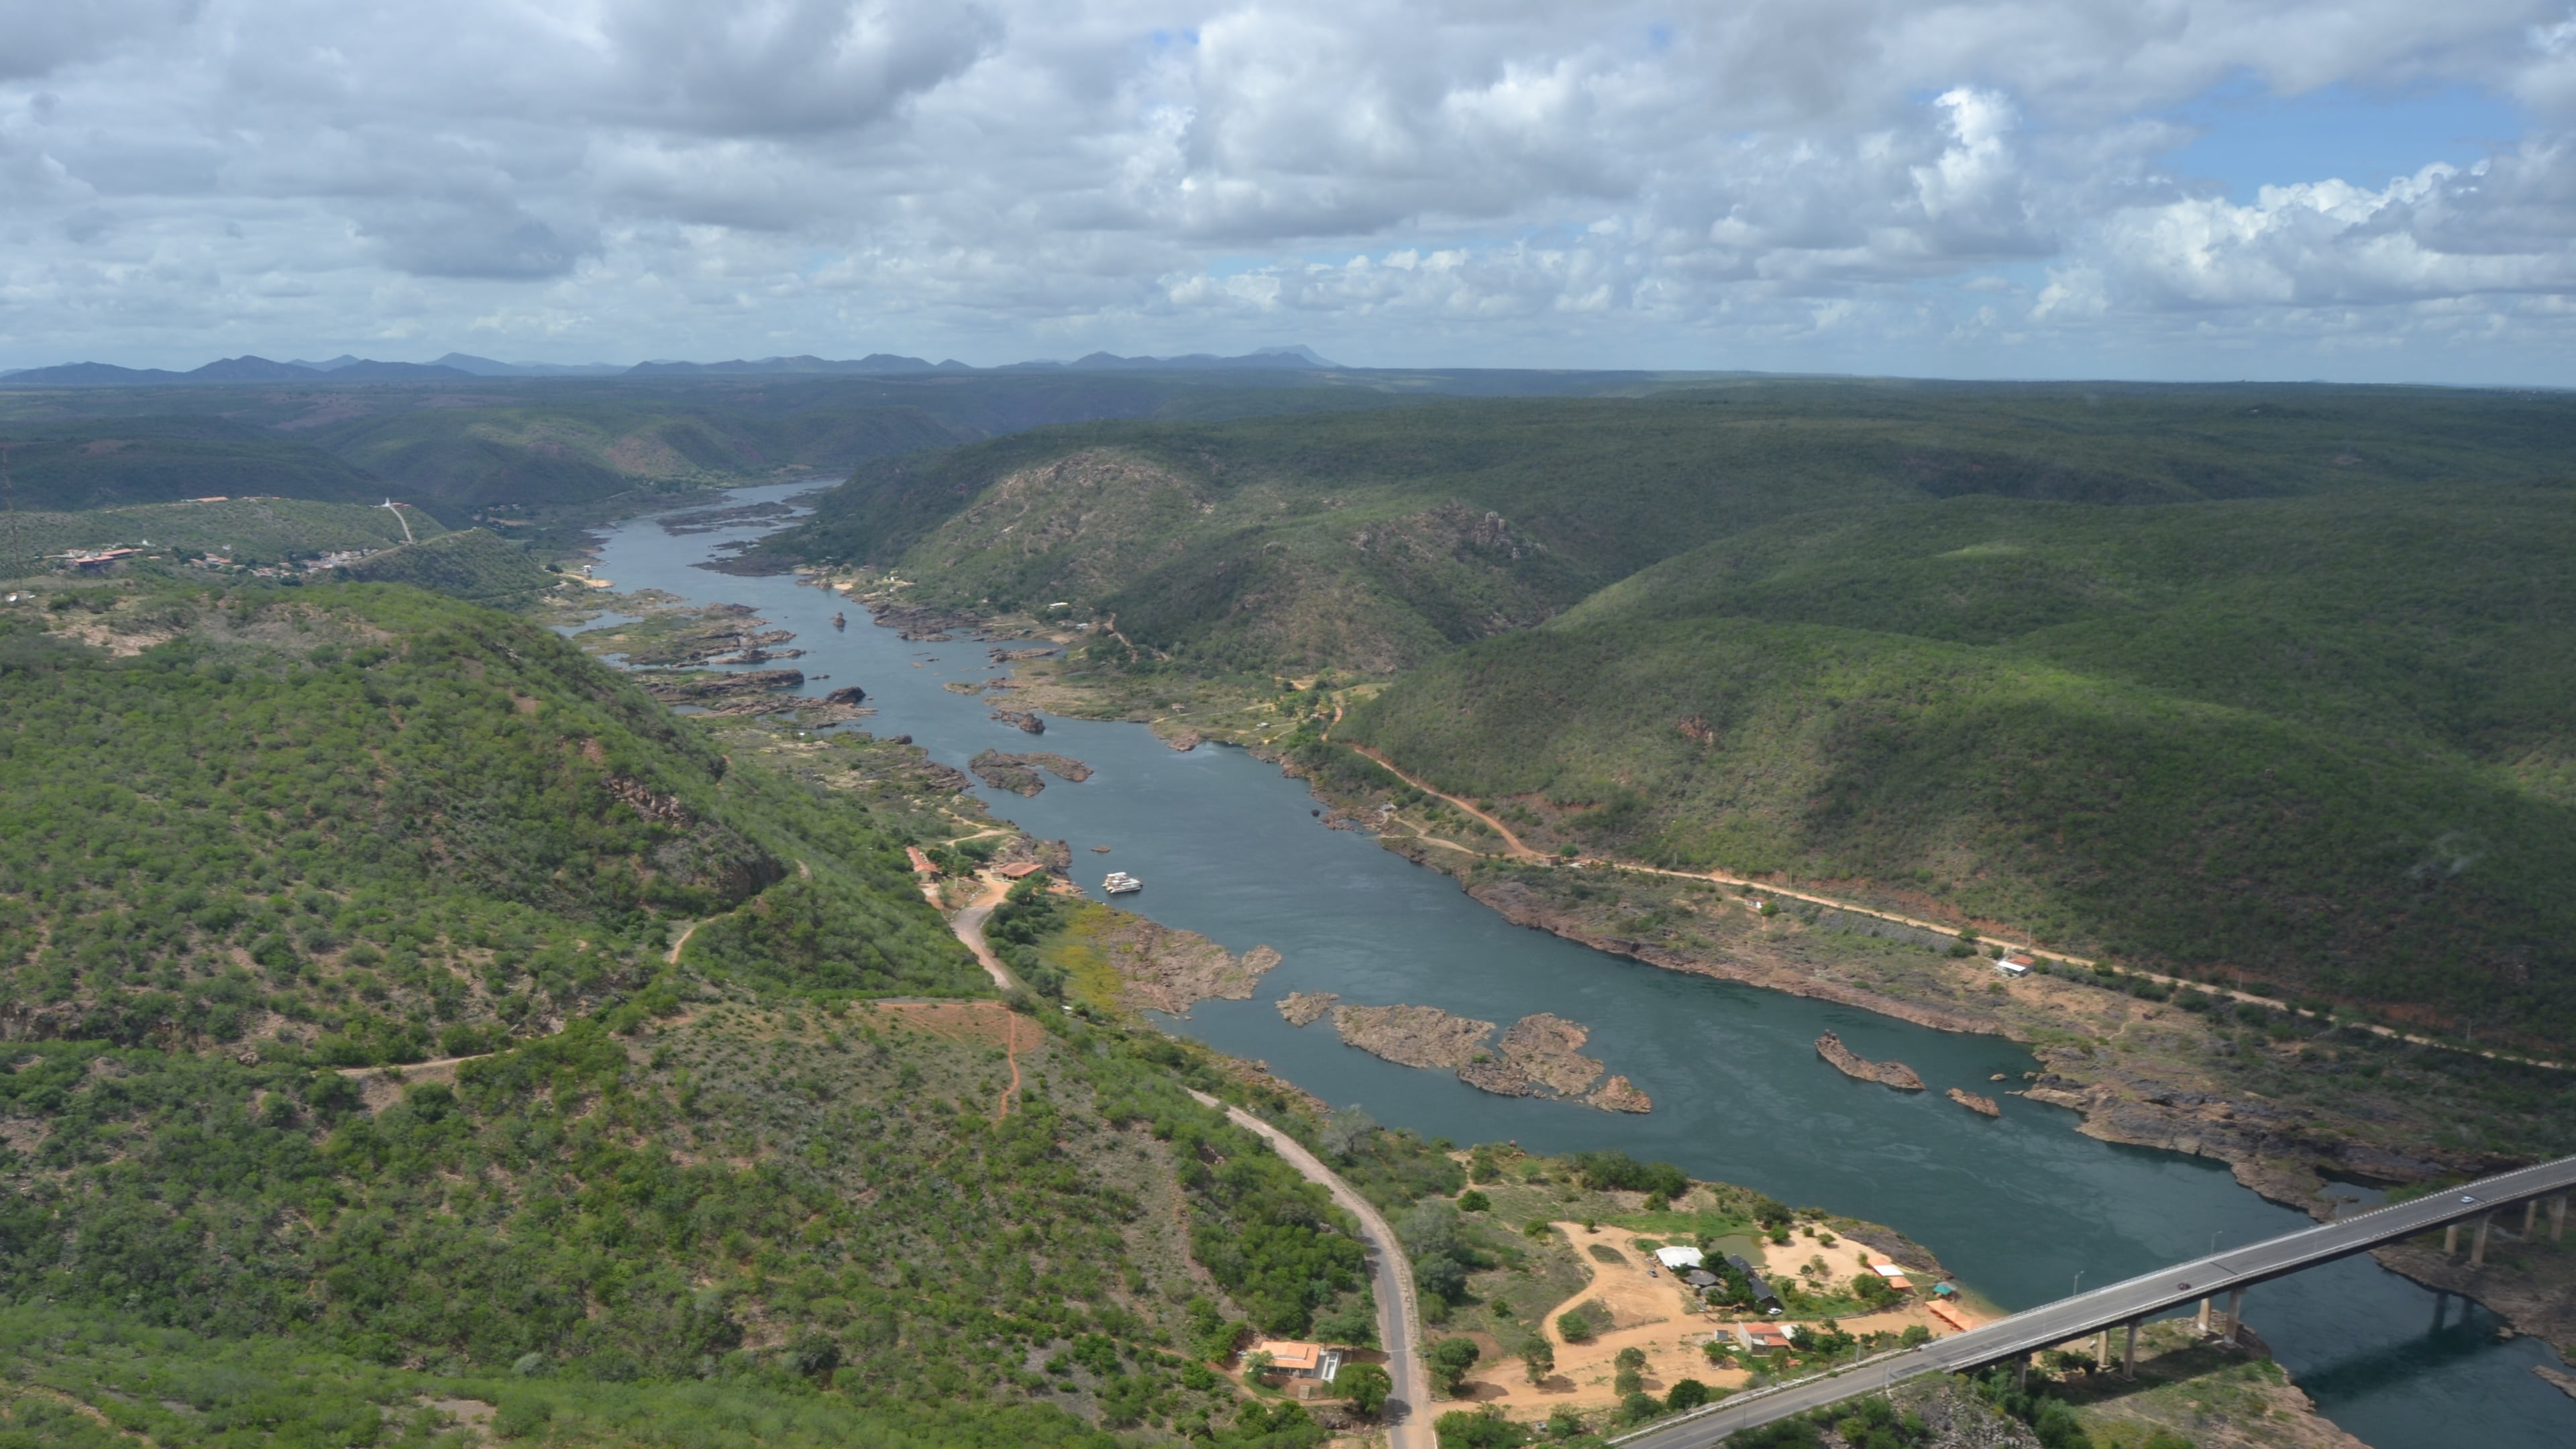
pixel 1366 1386
pixel 1348 1129
pixel 1576 1325
pixel 1687 1395
pixel 1472 1201
pixel 1539 1357
pixel 1631 1357
pixel 1255 1364
pixel 1488 1429
pixel 1430 1229
pixel 1450 1359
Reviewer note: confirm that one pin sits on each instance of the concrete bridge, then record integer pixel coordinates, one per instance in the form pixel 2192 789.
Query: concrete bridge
pixel 2215 1285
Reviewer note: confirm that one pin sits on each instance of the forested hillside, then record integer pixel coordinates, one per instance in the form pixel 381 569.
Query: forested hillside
pixel 2323 742
pixel 1373 541
pixel 354 1082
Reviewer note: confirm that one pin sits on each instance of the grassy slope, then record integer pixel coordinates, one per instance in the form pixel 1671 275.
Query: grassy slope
pixel 315 827
pixel 2322 740
pixel 1363 540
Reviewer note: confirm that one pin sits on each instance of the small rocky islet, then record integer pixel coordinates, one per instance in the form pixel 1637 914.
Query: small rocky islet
pixel 1538 1056
pixel 1019 773
pixel 1853 1064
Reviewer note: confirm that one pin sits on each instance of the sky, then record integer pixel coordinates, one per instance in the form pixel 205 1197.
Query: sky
pixel 2369 190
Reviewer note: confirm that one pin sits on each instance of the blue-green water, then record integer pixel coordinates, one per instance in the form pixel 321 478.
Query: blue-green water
pixel 2016 1208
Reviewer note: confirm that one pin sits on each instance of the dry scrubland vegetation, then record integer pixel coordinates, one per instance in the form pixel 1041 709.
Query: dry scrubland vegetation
pixel 268 846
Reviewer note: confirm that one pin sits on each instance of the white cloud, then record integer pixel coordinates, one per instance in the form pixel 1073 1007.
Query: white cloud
pixel 1759 182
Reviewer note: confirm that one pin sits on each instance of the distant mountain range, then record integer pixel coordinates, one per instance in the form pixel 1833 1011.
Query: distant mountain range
pixel 459 366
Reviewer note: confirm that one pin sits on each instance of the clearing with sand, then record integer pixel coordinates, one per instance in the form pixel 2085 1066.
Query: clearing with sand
pixel 1654 1313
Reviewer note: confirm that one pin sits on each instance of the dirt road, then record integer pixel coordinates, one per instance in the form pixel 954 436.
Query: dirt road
pixel 1517 849
pixel 1408 1416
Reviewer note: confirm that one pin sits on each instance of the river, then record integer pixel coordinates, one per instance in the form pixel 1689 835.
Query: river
pixel 2017 1208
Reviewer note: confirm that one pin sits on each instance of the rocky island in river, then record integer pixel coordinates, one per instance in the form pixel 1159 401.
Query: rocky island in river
pixel 1539 1056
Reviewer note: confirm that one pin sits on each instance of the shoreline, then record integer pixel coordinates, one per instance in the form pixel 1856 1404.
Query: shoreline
pixel 2263 1146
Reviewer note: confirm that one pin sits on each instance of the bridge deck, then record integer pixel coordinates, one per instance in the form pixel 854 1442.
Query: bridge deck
pixel 2130 1301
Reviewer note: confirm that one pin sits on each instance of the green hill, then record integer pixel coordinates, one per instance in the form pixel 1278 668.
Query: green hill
pixel 1376 540
pixel 2324 742
pixel 798 1180
pixel 473 564
pixel 67 466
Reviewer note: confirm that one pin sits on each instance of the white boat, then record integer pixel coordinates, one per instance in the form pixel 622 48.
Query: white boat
pixel 1120 883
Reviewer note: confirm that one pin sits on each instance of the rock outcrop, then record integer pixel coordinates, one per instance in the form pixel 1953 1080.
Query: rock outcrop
pixel 1983 1106
pixel 1620 1095
pixel 1414 1036
pixel 1549 1048
pixel 1169 970
pixel 1539 1056
pixel 1852 1064
pixel 753 691
pixel 1305 1008
pixel 1019 773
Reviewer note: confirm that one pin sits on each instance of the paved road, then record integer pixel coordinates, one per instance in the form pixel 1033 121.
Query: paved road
pixel 1392 1279
pixel 969 926
pixel 2143 1297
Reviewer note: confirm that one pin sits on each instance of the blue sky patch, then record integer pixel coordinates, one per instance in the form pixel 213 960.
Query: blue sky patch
pixel 2251 139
